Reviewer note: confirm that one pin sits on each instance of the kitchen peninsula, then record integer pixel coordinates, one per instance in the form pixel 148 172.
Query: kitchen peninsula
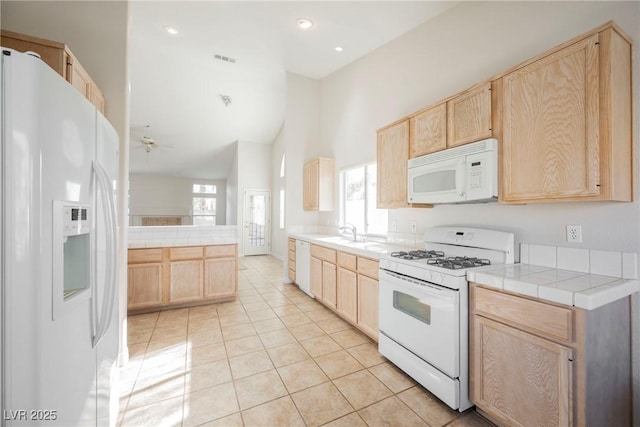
pixel 181 266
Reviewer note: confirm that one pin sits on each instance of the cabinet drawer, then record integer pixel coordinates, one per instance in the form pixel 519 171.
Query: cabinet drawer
pixel 292 265
pixel 137 256
pixel 292 244
pixel 292 255
pixel 368 267
pixel 189 252
pixel 324 254
pixel 537 317
pixel 347 260
pixel 219 251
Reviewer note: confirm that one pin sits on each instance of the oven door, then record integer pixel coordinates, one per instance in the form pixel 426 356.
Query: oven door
pixel 423 318
pixel 440 182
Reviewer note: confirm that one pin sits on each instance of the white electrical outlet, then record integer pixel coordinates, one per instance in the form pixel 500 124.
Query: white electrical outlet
pixel 574 234
pixel 414 226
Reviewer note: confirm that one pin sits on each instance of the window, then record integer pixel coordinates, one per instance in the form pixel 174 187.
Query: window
pixel 204 204
pixel 282 193
pixel 358 200
pixel 204 189
pixel 281 209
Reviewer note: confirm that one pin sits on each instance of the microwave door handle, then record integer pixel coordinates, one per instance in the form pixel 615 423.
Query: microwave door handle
pixel 460 178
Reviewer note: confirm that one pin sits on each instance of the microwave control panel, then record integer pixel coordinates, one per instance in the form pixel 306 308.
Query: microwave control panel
pixel 482 175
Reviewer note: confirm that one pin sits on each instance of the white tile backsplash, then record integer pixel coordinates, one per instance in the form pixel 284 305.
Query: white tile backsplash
pixel 605 263
pixel 524 253
pixel 629 265
pixel 593 261
pixel 573 259
pixel 542 255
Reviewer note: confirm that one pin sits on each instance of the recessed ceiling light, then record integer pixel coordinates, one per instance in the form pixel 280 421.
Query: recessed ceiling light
pixel 171 30
pixel 339 48
pixel 305 23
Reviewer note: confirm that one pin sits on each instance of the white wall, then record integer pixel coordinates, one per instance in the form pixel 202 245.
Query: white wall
pixel 170 195
pixel 232 189
pixel 467 44
pixel 254 173
pixel 97 33
pixel 302 142
pixel 279 246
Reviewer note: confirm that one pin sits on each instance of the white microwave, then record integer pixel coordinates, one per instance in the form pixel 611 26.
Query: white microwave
pixel 464 174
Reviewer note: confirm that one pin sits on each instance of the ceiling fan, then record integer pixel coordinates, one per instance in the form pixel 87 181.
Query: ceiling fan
pixel 147 142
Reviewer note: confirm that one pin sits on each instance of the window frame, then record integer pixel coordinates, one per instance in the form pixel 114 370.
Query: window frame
pixel 204 195
pixel 342 201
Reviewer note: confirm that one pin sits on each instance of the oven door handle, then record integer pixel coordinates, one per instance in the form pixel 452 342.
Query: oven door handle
pixel 417 287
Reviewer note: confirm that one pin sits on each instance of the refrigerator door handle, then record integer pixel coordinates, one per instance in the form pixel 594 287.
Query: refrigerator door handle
pixel 103 187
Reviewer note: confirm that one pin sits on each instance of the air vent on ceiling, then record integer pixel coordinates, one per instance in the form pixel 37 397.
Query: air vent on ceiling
pixel 224 58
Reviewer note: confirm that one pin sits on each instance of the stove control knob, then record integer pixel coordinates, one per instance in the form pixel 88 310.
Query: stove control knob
pixel 437 278
pixel 427 276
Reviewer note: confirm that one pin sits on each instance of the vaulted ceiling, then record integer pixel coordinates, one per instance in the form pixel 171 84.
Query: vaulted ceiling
pixel 178 86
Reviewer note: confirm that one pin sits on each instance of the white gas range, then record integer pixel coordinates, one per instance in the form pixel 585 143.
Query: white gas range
pixel 424 303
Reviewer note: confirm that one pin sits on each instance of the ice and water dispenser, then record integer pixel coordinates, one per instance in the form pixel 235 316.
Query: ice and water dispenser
pixel 71 255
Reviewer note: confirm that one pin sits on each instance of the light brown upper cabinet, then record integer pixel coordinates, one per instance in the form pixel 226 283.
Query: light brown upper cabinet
pixel 469 116
pixel 567 123
pixel 319 182
pixel 460 120
pixel 59 57
pixel 393 154
pixel 428 131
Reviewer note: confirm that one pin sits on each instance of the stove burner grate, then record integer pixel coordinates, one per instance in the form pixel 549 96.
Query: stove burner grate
pixel 455 263
pixel 419 254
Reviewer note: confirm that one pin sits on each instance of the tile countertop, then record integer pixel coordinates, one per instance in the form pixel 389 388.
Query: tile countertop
pixel 583 278
pixel 368 249
pixel 185 235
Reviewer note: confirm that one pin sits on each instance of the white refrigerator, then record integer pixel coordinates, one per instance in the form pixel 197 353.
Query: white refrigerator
pixel 59 320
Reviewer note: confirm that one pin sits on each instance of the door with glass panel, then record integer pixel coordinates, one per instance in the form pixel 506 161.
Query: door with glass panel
pixel 257 222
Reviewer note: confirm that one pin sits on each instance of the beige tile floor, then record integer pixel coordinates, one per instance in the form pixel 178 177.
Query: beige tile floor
pixel 273 357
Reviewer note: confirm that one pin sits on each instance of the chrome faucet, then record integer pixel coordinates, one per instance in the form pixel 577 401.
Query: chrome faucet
pixel 350 228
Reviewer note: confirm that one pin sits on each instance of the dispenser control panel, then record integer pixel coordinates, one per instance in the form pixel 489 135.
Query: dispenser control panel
pixel 75 220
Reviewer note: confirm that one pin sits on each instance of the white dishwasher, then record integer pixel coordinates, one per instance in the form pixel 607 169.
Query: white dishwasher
pixel 303 266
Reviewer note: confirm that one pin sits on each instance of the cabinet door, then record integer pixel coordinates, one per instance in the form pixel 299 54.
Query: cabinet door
pixel 428 131
pixel 219 277
pixel 551 122
pixel 393 154
pixel 469 116
pixel 310 186
pixel 185 283
pixel 347 294
pixel 78 77
pixel 97 98
pixel 519 378
pixel 144 285
pixel 316 277
pixel 329 283
pixel 368 305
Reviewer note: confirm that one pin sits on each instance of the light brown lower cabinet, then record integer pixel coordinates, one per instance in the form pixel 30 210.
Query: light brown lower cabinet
pixel 181 276
pixel 185 282
pixel 292 260
pixel 368 305
pixel 144 285
pixel 347 284
pixel 316 278
pixel 329 281
pixel 534 363
pixel 220 277
pixel 347 294
pixel 523 377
